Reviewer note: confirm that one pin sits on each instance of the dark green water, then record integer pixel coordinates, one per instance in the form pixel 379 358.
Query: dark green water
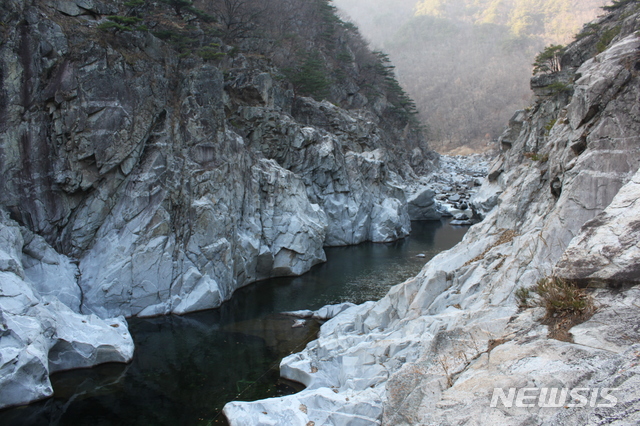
pixel 187 367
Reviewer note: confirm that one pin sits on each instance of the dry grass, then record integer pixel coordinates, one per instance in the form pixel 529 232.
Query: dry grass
pixel 566 305
pixel 493 343
pixel 563 298
pixel 507 236
pixel 523 296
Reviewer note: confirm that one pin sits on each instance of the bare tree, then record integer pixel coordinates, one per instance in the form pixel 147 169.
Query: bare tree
pixel 237 17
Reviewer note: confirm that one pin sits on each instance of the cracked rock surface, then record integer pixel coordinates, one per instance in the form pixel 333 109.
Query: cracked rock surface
pixel 170 183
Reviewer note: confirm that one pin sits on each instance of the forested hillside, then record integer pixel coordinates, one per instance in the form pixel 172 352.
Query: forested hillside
pixel 551 20
pixel 467 63
pixel 303 42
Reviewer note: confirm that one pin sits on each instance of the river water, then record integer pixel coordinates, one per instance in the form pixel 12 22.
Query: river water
pixel 186 368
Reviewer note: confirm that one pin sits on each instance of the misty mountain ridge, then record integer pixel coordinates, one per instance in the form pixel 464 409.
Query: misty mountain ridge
pixel 467 63
pixel 554 21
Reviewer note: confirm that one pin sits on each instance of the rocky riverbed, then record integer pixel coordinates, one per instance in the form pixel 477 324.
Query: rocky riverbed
pixel 448 191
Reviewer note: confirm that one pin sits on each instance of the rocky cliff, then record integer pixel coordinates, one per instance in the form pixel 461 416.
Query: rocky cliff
pixel 561 202
pixel 156 156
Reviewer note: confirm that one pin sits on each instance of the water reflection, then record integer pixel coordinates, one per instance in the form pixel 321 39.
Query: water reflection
pixel 186 368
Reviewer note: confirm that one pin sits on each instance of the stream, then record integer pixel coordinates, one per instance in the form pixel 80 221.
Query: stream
pixel 186 368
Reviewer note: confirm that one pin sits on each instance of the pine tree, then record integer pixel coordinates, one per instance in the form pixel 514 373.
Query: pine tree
pixel 548 61
pixel 311 78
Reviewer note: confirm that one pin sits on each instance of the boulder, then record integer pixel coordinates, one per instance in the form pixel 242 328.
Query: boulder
pixel 41 334
pixel 325 313
pixel 421 205
pixel 330 311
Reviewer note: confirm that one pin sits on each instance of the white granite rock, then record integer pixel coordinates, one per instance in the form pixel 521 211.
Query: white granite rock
pixel 325 313
pixel 422 205
pixel 50 272
pixel 330 311
pixel 38 333
pixel 281 233
pixel 321 407
pixel 608 247
pixel 486 198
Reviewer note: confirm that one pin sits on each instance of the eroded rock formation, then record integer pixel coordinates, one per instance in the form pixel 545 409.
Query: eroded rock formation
pixel 40 331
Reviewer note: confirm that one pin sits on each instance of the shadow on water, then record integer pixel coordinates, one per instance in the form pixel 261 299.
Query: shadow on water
pixel 187 367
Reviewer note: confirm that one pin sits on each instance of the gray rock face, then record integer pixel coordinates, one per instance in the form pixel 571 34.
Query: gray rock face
pixel 337 160
pixel 435 347
pixel 422 206
pixel 171 183
pixel 607 248
pixel 281 233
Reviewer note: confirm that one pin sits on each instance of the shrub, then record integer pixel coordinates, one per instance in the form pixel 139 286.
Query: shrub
pixel 120 23
pixel 562 298
pixel 606 38
pixel 403 106
pixel 550 125
pixel 134 3
pixel 534 156
pixel 587 30
pixel 524 296
pixel 557 88
pixel 178 4
pixel 566 305
pixel 345 57
pixel 617 4
pixel 211 52
pixel 201 14
pixel 310 78
pixel 124 20
pixel 112 25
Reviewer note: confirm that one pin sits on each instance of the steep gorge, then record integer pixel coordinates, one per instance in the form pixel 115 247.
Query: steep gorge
pixel 466 62
pixel 142 179
pixel 154 161
pixel 560 201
